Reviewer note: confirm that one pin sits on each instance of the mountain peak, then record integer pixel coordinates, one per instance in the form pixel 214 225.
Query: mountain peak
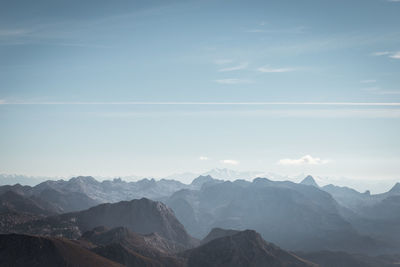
pixel 244 248
pixel 83 179
pixel 218 233
pixel 309 180
pixel 395 188
pixel 199 181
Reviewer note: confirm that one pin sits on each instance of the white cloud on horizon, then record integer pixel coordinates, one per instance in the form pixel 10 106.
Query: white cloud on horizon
pixel 230 161
pixel 203 158
pixel 305 160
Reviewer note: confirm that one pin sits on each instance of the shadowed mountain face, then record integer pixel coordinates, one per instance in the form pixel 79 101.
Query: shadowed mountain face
pixel 218 233
pixel 131 249
pixel 342 259
pixel 141 216
pixel 24 250
pixel 294 216
pixel 245 248
pixel 13 202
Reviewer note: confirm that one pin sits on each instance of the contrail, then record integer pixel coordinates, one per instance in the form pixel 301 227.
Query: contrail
pixel 212 103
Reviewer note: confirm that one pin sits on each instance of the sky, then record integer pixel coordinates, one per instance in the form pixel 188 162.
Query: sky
pixel 152 88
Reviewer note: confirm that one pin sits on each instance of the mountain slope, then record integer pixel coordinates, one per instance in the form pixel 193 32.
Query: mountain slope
pixel 218 233
pixel 342 259
pixel 132 249
pixel 245 248
pixel 11 201
pixel 24 250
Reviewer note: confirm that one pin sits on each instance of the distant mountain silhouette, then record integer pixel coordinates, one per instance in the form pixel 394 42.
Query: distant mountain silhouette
pixel 245 248
pixel 309 180
pixel 24 250
pixel 83 192
pixel 55 200
pixel 375 215
pixel 294 216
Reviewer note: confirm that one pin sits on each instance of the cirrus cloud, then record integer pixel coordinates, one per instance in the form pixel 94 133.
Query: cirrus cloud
pixel 305 160
pixel 267 69
pixel 232 81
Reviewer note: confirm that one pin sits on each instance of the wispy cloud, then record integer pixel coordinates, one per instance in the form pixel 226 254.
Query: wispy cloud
pixel 12 32
pixel 378 91
pixel 395 55
pixel 232 81
pixel 331 113
pixel 262 29
pixel 381 53
pixel 204 158
pixel 390 54
pixel 355 104
pixel 223 61
pixel 368 81
pixel 306 160
pixel 230 161
pixel 267 69
pixel 233 68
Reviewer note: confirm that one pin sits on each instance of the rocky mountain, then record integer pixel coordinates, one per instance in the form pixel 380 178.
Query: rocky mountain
pixel 198 182
pixel 132 249
pixel 24 250
pixel 13 202
pixel 218 233
pixel 84 191
pixel 54 200
pixel 141 216
pixel 245 248
pixel 294 216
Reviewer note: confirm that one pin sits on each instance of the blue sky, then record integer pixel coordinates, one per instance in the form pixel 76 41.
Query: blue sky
pixel 160 87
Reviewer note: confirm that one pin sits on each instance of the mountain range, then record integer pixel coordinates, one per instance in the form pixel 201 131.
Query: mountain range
pixel 118 220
